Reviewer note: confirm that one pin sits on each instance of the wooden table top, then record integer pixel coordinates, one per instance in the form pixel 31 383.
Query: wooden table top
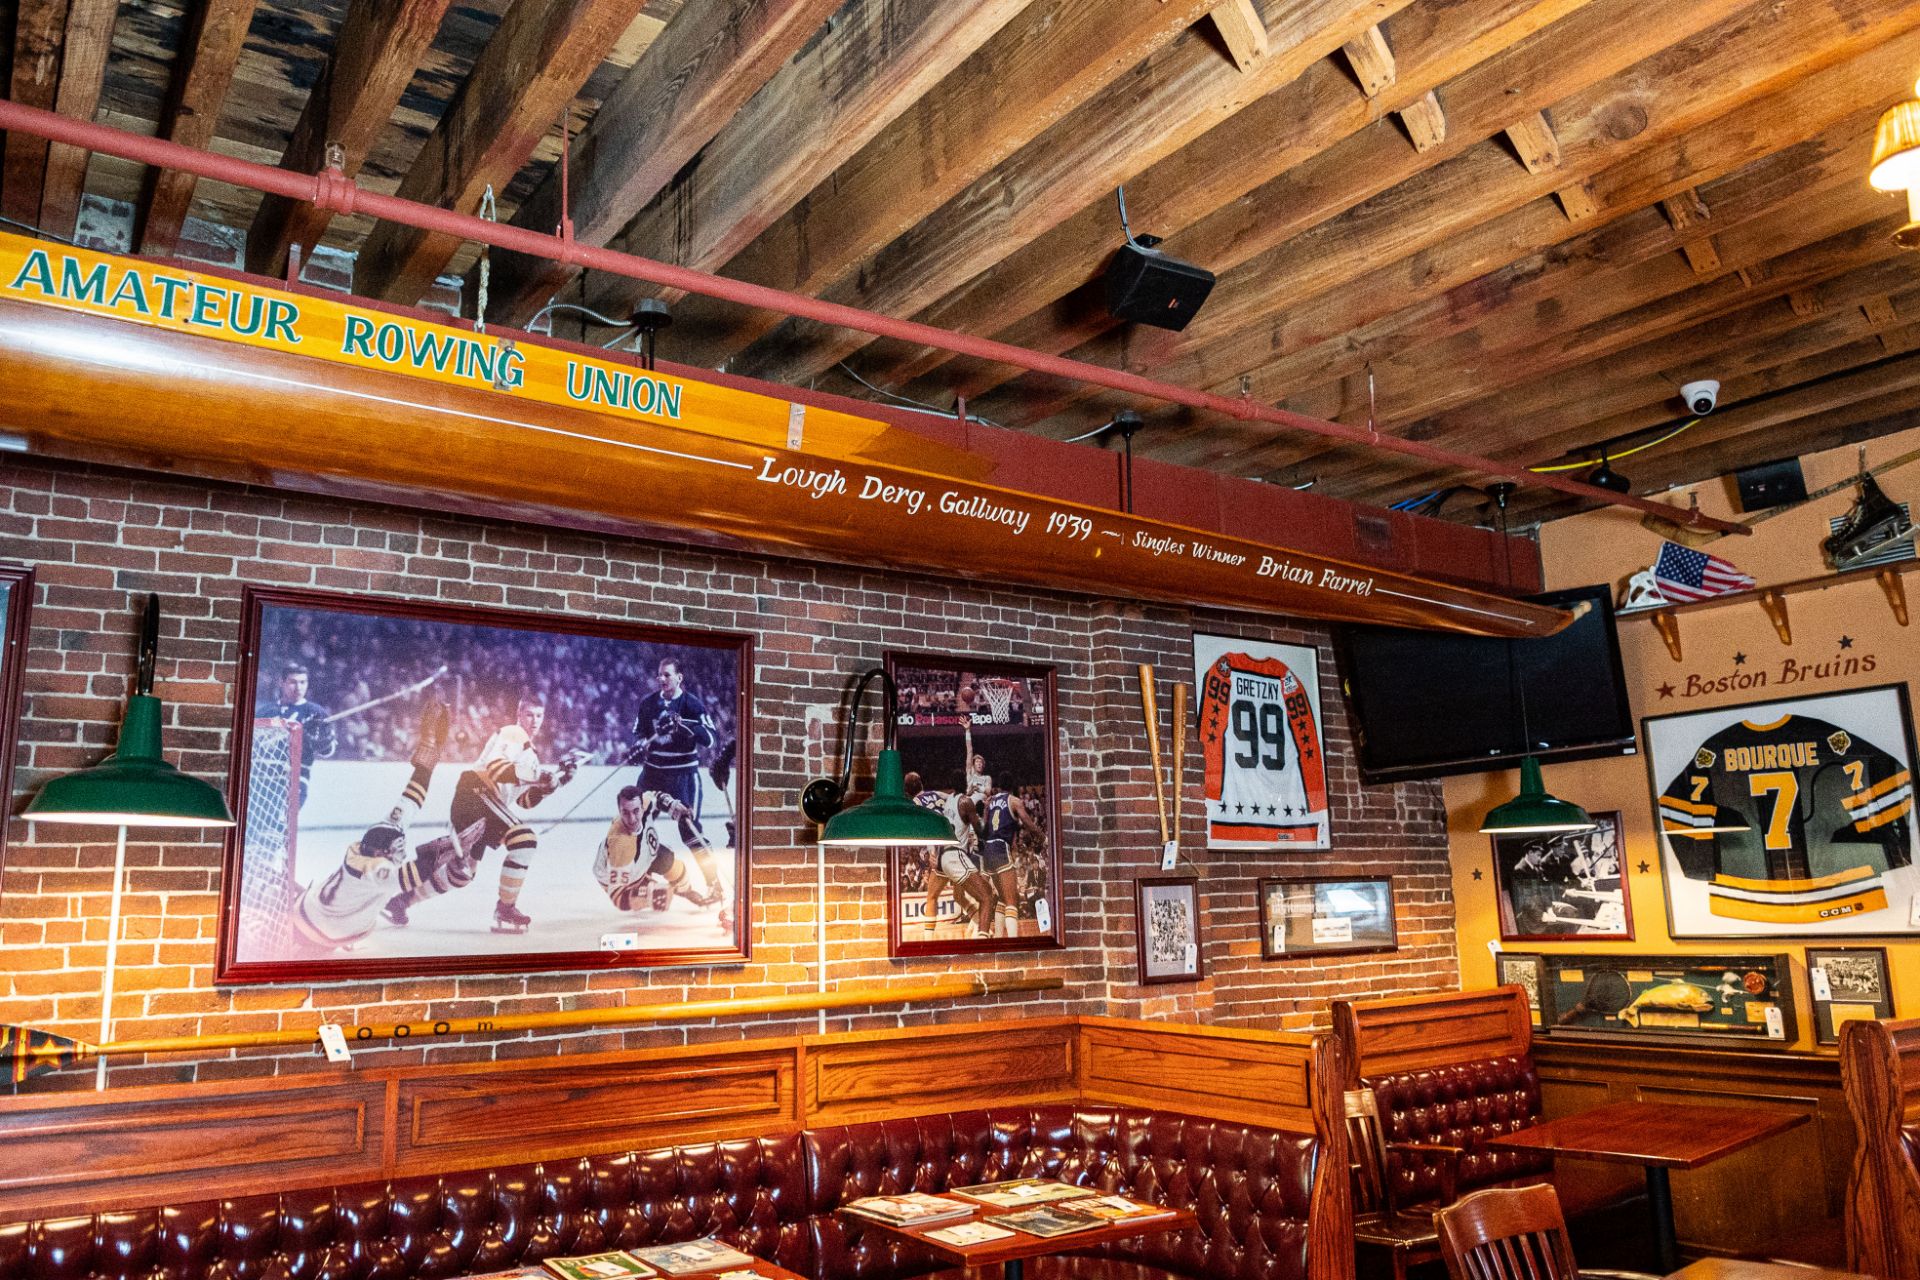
pixel 1020 1244
pixel 1738 1269
pixel 1671 1135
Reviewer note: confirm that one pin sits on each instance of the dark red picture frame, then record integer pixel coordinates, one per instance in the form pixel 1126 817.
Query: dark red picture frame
pixel 229 968
pixel 1309 951
pixel 18 584
pixel 1140 886
pixel 900 942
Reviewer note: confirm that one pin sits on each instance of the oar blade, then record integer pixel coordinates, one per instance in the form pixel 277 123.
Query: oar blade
pixel 27 1053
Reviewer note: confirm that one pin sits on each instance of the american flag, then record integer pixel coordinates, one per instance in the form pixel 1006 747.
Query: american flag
pixel 1685 574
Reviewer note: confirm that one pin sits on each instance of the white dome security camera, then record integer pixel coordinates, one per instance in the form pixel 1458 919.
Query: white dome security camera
pixel 1701 396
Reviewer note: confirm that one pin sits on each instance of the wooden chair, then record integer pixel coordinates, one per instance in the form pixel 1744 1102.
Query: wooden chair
pixel 1408 1239
pixel 1512 1233
pixel 1880 1071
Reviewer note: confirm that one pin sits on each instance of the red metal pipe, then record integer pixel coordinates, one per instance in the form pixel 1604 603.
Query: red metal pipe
pixel 332 190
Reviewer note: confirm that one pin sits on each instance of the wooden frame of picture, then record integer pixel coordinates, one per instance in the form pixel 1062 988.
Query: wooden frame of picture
pixel 1525 970
pixel 1715 893
pixel 1573 878
pixel 1727 999
pixel 16 610
pixel 1847 984
pixel 1166 930
pixel 558 731
pixel 955 713
pixel 1304 916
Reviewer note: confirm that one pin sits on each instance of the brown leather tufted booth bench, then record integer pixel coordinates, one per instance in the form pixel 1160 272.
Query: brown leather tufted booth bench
pixel 773 1196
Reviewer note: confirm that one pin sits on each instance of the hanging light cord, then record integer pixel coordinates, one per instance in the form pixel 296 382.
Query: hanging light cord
pixel 917 406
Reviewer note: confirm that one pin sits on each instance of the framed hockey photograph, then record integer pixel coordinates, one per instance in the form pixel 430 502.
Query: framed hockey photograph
pixel 441 789
pixel 1848 984
pixel 977 740
pixel 1563 885
pixel 1326 916
pixel 1519 969
pixel 1788 818
pixel 1264 770
pixel 16 606
pixel 1167 929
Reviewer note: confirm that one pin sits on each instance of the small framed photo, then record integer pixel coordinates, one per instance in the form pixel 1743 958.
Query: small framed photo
pixel 1849 984
pixel 1326 916
pixel 1167 926
pixel 1562 885
pixel 1518 969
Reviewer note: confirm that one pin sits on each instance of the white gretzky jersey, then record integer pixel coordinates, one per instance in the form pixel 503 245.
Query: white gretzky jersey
pixel 509 762
pixel 1266 777
pixel 344 907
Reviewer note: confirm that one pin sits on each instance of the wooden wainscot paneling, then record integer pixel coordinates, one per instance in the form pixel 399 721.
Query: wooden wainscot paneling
pixel 153 1144
pixel 876 1075
pixel 1785 1197
pixel 1880 1071
pixel 1410 1032
pixel 504 1112
pixel 1259 1077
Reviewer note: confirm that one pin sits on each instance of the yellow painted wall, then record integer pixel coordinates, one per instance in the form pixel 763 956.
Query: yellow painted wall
pixel 1608 546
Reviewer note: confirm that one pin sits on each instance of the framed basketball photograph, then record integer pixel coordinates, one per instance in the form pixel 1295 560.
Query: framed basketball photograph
pixel 1788 818
pixel 1167 929
pixel 1558 885
pixel 1326 916
pixel 1264 765
pixel 16 606
pixel 1848 984
pixel 441 789
pixel 976 738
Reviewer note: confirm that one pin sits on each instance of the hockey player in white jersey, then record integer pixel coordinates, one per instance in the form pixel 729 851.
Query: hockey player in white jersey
pixel 638 871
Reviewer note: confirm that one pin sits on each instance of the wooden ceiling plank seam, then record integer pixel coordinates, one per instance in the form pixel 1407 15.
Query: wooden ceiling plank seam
pixel 1021 299
pixel 214 34
pixel 380 46
pixel 705 66
pixel 1042 65
pixel 1368 170
pixel 39 34
pixel 1156 110
pixel 1370 58
pixel 1727 68
pixel 530 70
pixel 83 72
pixel 1241 29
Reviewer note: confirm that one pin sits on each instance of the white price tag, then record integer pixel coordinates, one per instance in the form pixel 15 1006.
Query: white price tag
pixel 1332 929
pixel 1913 912
pixel 1043 915
pixel 334 1041
pixel 1493 946
pixel 1193 958
pixel 619 942
pixel 1169 855
pixel 1822 988
pixel 1776 1025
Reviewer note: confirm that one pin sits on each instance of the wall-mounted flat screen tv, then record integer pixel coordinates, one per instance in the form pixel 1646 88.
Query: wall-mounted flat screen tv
pixel 1426 704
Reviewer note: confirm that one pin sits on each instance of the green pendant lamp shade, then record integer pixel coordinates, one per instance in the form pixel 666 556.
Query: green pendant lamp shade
pixel 889 817
pixel 134 786
pixel 1534 810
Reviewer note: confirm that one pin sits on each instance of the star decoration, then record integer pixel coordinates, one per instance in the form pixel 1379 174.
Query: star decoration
pixel 1846 642
pixel 1666 691
pixel 1476 873
pixel 1645 866
pixel 1739 659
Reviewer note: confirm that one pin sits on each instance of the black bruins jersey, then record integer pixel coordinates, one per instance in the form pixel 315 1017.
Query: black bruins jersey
pixel 1792 821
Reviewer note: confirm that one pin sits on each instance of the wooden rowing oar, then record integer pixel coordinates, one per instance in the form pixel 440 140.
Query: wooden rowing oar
pixel 32 1053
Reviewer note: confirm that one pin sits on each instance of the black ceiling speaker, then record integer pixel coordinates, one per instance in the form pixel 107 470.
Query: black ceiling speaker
pixel 1771 484
pixel 1605 477
pixel 1149 287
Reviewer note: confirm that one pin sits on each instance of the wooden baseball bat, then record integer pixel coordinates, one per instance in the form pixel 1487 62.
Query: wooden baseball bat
pixel 1150 705
pixel 30 1053
pixel 1179 756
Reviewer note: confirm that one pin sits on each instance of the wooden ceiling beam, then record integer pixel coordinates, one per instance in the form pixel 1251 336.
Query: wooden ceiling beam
pixel 1044 63
pixel 1242 30
pixel 1153 112
pixel 527 74
pixel 1760 55
pixel 83 72
pixel 39 34
pixel 215 33
pixel 379 47
pixel 1425 121
pixel 1577 202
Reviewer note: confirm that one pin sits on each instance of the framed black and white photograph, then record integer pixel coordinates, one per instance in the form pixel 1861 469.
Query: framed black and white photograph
pixel 1167 929
pixel 1558 885
pixel 440 789
pixel 1519 969
pixel 1262 753
pixel 1326 915
pixel 1787 818
pixel 976 738
pixel 16 606
pixel 1848 984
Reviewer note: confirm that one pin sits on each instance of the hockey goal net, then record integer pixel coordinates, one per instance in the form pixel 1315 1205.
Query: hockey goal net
pixel 267 885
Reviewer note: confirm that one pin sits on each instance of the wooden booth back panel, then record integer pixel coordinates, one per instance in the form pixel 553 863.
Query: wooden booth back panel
pixel 1880 1068
pixel 1406 1033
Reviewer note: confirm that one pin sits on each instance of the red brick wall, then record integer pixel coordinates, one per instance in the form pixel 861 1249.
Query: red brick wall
pixel 100 539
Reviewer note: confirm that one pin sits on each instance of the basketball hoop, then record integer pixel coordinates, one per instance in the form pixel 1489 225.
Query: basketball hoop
pixel 999 697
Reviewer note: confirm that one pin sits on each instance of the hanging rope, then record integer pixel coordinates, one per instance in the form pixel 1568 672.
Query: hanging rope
pixel 491 214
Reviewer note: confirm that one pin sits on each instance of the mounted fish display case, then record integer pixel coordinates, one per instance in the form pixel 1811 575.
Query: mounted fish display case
pixel 1719 999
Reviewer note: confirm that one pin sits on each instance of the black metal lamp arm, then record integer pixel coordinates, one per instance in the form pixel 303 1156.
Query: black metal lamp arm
pixel 824 797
